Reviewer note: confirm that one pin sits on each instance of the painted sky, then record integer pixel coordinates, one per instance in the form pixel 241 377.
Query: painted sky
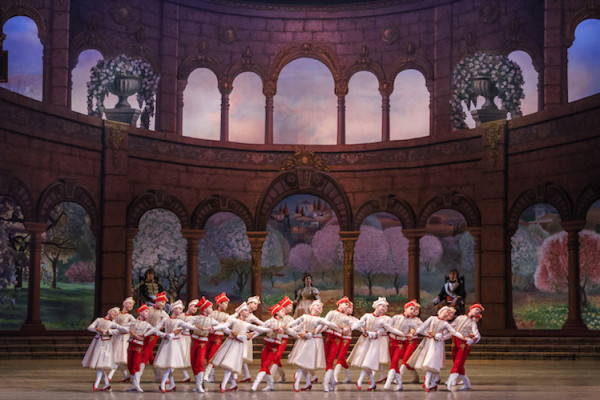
pixel 305 106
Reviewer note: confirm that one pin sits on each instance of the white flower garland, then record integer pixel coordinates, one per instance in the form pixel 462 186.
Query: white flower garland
pixel 504 73
pixel 105 71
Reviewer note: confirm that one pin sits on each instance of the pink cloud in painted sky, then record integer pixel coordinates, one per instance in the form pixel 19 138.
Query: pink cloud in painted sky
pixel 409 106
pixel 363 109
pixel 247 109
pixel 202 106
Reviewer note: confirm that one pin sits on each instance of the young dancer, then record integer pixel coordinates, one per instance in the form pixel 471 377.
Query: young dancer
pixel 288 307
pixel 203 325
pixel 467 326
pixel 99 355
pixel 272 342
pixel 253 303
pixel 333 340
pixel 186 340
pixel 135 350
pixel 216 338
pixel 345 345
pixel 120 340
pixel 156 315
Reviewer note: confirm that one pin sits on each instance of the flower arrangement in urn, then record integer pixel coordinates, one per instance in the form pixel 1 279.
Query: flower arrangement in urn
pixel 123 76
pixel 488 75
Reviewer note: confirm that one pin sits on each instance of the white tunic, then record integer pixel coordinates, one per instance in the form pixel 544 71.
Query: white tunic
pixel 430 355
pixel 119 340
pixel 170 353
pixel 231 353
pixel 186 340
pixel 467 327
pixel 100 353
pixel 366 352
pixel 309 353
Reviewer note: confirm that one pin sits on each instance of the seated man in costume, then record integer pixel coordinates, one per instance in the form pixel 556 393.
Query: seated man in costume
pixel 453 293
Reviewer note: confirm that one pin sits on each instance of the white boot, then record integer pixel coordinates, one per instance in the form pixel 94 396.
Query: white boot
pixel 398 383
pixel 247 377
pixel 466 381
pixel 348 378
pixel 186 376
pixel 390 377
pixel 106 382
pixel 327 379
pixel 372 380
pixel 172 386
pixel 258 380
pixel 199 381
pixel 451 381
pixel 270 384
pixel 209 373
pixel 135 382
pixel 336 372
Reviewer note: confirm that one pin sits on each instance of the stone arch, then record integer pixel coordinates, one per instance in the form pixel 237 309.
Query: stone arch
pixel 240 67
pixel 18 9
pixel 308 181
pixel 66 189
pixel 317 50
pixel 361 65
pixel 544 193
pixel 589 195
pixel 156 199
pixel 17 190
pixel 389 204
pixel 217 203
pixel 529 47
pixel 590 12
pixel 87 41
pixel 145 54
pixel 413 62
pixel 193 62
pixel 455 201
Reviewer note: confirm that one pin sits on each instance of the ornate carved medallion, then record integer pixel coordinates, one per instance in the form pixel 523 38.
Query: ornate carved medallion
pixel 304 159
pixel 389 34
pixel 488 12
pixel 121 12
pixel 228 35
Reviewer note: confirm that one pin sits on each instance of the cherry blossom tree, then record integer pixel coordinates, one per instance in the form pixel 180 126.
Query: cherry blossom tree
pixel 328 249
pixel 301 258
pixel 430 251
pixel 82 271
pixel 523 257
pixel 274 253
pixel 398 254
pixel 371 254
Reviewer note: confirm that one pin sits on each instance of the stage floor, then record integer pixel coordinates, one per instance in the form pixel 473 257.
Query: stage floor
pixel 548 380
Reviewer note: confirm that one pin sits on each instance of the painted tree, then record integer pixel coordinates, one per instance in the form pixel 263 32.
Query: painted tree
pixel 159 244
pixel 430 251
pixel 398 255
pixel 274 253
pixel 552 272
pixel 67 238
pixel 328 249
pixel 300 259
pixel 371 254
pixel 82 271
pixel 523 257
pixel 14 245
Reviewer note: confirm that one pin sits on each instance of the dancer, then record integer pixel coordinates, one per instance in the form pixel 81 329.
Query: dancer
pixel 186 341
pixel 288 307
pixel 216 338
pixel 170 354
pixel 305 296
pixel 430 354
pixel 230 355
pixel 137 331
pixel 99 355
pixel 272 341
pixel 365 354
pixel 308 353
pixel 402 341
pixel 203 325
pixel 467 326
pixel 345 345
pixel 156 315
pixel 119 341
pixel 253 303
pixel 333 339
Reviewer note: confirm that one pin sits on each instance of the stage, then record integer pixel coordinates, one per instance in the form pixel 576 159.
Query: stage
pixel 498 379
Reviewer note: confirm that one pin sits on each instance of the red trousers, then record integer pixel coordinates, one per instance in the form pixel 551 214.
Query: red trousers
pixel 214 342
pixel 134 357
pixel 460 352
pixel 280 351
pixel 149 343
pixel 332 349
pixel 267 357
pixel 198 354
pixel 411 345
pixel 343 350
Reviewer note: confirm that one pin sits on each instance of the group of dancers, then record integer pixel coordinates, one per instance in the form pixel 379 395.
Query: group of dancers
pixel 202 338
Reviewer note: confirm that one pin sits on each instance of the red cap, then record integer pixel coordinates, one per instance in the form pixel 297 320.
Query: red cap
pixel 275 309
pixel 221 298
pixel 412 303
pixel 476 305
pixel 285 302
pixel 203 304
pixel 344 299
pixel 142 308
pixel 161 296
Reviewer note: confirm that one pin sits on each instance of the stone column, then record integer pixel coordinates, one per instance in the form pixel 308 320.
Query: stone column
pixel 269 107
pixel 257 239
pixel 414 272
pixel 385 116
pixel 33 323
pixel 476 233
pixel 555 55
pixel 349 239
pixel 574 319
pixel 192 236
pixel 58 62
pixel 166 115
pixel 341 131
pixel 131 234
pixel 225 91
pixel 181 85
pixel 443 64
